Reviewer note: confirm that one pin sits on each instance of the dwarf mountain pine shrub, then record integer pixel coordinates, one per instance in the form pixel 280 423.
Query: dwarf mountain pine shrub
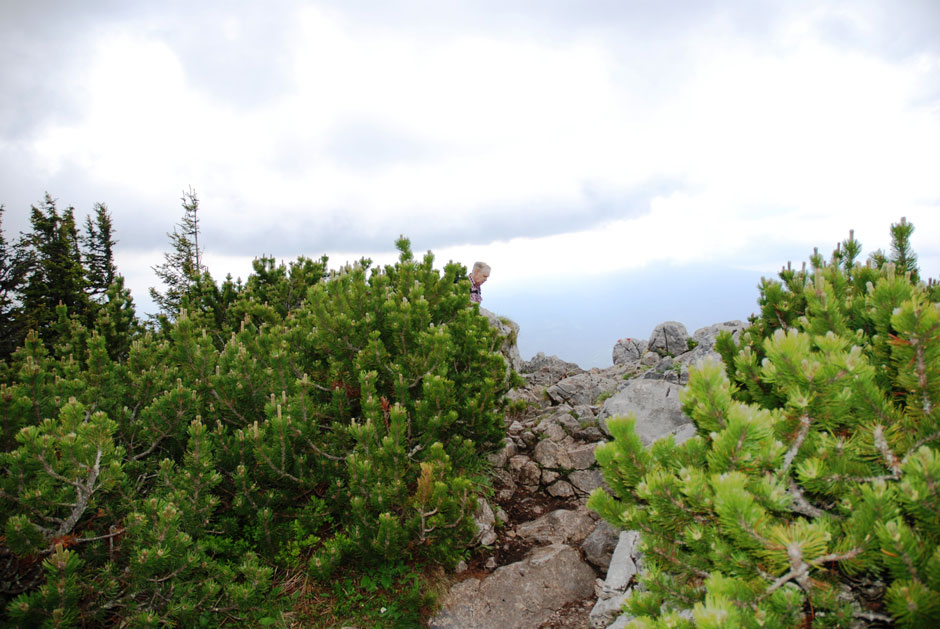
pixel 302 421
pixel 811 494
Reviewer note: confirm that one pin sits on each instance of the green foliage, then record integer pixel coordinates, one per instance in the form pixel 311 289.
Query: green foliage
pixel 393 595
pixel 299 421
pixel 54 267
pixel 809 496
pixel 55 274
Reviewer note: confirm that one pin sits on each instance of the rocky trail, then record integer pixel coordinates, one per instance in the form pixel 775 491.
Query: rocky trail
pixel 543 560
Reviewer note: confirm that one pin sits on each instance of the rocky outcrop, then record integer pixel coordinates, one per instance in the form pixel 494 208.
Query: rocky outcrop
pixel 520 595
pixel 621 577
pixel 669 339
pixel 581 389
pixel 509 331
pixel 654 402
pixel 528 570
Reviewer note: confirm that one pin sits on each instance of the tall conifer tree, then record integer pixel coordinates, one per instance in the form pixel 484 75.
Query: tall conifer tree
pixel 182 266
pixel 55 274
pixel 99 251
pixel 12 272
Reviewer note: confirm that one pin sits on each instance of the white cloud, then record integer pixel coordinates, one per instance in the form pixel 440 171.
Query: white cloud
pixel 780 145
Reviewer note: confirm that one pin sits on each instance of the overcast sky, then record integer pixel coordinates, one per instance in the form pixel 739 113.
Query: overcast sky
pixel 576 146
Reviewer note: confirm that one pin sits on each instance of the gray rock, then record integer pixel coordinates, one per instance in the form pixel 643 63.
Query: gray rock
pixel 617 586
pixel 586 412
pixel 621 622
pixel 586 481
pixel 503 484
pixel 561 489
pixel 509 331
pixel 552 454
pixel 655 404
pixel 520 595
pixel 582 457
pixel 559 526
pixel 570 423
pixel 607 609
pixel 485 520
pixel 684 433
pixel 526 471
pixel 629 351
pixel 669 339
pixel 559 417
pixel 549 477
pixel 591 433
pixel 583 388
pixel 545 370
pixel 598 547
pixel 554 432
pixel 501 458
pixel 706 337
pixel 622 568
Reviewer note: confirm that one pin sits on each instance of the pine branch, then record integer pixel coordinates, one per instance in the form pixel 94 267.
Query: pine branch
pixel 152 447
pixel 318 451
pixel 917 445
pixel 799 568
pixel 84 495
pixel 891 461
pixel 800 504
pixel 805 422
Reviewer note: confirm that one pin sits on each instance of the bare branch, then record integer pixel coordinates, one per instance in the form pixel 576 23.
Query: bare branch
pixel 805 422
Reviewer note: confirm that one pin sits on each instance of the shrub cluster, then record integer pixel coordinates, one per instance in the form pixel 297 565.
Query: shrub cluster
pixel 811 494
pixel 303 418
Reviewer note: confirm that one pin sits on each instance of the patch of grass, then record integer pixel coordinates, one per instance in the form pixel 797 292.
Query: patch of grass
pixel 518 408
pixel 389 595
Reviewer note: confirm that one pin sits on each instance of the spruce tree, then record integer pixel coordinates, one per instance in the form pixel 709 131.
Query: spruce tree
pixel 55 273
pixel 182 266
pixel 98 255
pixel 12 274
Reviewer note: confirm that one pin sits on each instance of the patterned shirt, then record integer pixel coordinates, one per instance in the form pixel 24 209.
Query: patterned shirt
pixel 475 295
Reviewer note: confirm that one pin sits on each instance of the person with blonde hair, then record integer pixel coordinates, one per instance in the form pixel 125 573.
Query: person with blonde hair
pixel 479 274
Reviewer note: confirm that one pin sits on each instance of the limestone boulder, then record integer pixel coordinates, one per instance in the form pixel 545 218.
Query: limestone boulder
pixel 628 351
pixel 669 339
pixel 586 481
pixel 598 547
pixel 525 471
pixel 655 404
pixel 581 389
pixel 520 595
pixel 552 454
pixel 545 370
pixel 705 337
pixel 621 575
pixel 485 520
pixel 509 332
pixel 560 526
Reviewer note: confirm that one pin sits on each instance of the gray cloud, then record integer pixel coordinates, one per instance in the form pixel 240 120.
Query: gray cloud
pixel 239 56
pixel 341 230
pixel 44 45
